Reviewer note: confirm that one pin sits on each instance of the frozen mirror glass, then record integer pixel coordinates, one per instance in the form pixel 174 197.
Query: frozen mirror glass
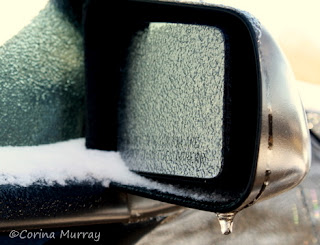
pixel 172 100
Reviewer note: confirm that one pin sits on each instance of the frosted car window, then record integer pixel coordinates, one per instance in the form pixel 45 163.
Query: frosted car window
pixel 42 85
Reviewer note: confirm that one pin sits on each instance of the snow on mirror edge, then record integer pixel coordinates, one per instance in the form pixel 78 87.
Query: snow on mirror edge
pixel 70 160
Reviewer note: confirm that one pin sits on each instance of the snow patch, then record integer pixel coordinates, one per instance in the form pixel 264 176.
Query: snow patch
pixel 62 162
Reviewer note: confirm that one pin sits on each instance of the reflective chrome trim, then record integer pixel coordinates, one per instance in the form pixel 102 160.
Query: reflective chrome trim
pixel 285 151
pixel 132 209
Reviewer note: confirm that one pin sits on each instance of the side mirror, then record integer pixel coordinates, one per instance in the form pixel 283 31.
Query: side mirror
pixel 196 99
pixel 206 108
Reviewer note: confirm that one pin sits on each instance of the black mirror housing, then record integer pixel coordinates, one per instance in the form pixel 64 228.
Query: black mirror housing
pixel 266 146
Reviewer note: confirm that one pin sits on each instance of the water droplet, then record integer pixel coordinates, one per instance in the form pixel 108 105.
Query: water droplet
pixel 226 222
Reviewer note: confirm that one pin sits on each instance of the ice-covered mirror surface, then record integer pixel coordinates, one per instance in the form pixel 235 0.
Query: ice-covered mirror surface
pixel 172 100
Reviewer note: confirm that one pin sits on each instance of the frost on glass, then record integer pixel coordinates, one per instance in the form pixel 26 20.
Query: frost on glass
pixel 171 113
pixel 42 84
